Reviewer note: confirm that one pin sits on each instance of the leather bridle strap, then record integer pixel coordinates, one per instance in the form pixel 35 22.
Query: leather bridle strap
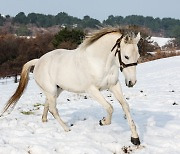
pixel 118 50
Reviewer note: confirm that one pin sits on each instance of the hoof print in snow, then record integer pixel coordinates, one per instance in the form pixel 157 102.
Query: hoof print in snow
pixel 172 91
pixel 41 94
pixel 125 116
pixel 174 103
pixel 71 125
pixel 131 149
pixel 126 149
pixel 85 97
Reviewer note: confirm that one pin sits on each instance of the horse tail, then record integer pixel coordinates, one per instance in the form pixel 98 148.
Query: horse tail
pixel 24 78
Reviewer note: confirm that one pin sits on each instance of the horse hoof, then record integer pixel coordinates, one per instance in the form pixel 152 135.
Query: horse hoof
pixel 67 129
pixel 44 120
pixel 102 122
pixel 135 141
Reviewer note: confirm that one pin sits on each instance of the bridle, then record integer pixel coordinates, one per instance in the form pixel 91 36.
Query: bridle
pixel 118 50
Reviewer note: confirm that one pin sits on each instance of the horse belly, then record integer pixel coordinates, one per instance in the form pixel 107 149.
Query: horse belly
pixel 70 82
pixel 68 75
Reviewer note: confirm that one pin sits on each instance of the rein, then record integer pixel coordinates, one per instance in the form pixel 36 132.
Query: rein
pixel 118 50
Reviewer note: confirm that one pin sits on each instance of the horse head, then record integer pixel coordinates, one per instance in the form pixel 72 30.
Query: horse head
pixel 128 54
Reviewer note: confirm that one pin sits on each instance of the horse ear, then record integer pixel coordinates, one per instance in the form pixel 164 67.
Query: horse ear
pixel 138 37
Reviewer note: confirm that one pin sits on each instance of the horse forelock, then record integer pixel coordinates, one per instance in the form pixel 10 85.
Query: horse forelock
pixel 129 37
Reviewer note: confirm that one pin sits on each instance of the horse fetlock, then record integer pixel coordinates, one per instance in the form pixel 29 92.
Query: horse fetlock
pixel 104 121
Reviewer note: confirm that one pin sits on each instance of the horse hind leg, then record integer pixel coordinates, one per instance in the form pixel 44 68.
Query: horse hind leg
pixel 46 107
pixel 53 110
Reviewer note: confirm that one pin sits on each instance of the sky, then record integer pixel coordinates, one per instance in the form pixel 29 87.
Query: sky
pixel 98 9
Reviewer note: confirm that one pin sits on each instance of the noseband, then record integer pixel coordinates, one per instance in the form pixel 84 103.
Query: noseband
pixel 118 50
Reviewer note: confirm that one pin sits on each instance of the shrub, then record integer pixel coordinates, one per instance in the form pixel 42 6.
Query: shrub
pixel 68 38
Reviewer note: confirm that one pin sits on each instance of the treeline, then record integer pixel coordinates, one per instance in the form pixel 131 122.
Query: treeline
pixel 42 20
pixel 167 27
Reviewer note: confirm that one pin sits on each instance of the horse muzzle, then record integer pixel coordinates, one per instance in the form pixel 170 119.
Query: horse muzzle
pixel 130 83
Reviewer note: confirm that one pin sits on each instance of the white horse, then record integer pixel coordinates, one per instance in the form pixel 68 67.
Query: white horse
pixel 92 67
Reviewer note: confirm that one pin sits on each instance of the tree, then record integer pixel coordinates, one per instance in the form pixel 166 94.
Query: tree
pixel 176 34
pixel 90 22
pixel 20 18
pixel 8 17
pixel 32 18
pixel 61 18
pixel 2 20
pixel 73 36
pixel 114 21
pixel 134 20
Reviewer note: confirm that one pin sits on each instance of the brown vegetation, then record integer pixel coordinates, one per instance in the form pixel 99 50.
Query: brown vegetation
pixel 15 51
pixel 158 54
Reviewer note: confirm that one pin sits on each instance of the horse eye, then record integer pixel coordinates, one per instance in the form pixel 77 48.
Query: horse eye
pixel 127 57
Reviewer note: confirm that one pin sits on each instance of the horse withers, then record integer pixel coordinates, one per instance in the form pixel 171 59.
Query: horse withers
pixel 92 67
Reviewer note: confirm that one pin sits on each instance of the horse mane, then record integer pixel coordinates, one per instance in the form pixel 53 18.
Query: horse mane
pixel 94 36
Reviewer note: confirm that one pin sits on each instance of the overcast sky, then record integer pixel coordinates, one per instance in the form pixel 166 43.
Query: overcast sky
pixel 98 9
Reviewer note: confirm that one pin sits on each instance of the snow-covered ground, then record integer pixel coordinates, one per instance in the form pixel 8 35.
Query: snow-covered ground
pixel 154 103
pixel 161 41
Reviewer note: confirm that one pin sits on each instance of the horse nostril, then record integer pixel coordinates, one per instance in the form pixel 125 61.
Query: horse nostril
pixel 129 83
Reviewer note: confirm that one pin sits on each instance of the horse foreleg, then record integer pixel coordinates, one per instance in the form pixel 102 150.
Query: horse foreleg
pixel 116 90
pixel 53 110
pixel 95 93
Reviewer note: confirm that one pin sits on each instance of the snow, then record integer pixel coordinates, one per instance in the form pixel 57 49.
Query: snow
pixel 154 103
pixel 2 15
pixel 161 41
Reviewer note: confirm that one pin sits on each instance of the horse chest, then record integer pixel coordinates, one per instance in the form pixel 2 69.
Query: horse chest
pixel 110 78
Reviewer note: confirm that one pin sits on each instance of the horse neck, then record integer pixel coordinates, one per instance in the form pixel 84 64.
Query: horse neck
pixel 102 47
